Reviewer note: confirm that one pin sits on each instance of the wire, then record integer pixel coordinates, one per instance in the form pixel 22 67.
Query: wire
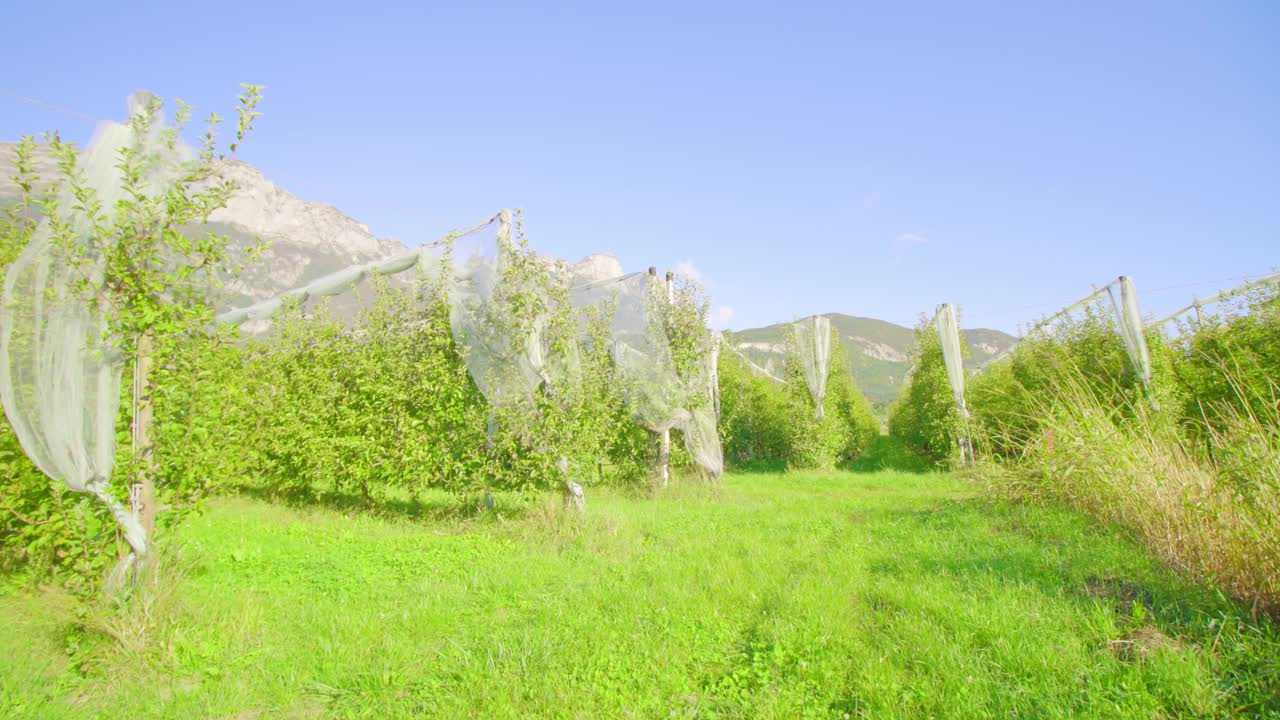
pixel 48 106
pixel 1182 286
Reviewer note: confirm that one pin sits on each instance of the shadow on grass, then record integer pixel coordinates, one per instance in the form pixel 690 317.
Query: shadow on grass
pixel 1049 549
pixel 1152 605
pixel 759 467
pixel 437 507
pixel 889 453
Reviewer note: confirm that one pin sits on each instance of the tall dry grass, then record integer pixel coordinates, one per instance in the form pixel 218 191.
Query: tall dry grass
pixel 1207 502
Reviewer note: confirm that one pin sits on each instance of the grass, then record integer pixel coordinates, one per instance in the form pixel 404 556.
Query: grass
pixel 1212 514
pixel 776 596
pixel 890 453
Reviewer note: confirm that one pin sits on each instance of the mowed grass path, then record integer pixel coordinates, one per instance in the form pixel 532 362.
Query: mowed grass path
pixel 776 596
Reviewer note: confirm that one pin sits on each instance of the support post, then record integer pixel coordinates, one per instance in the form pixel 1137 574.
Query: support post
pixel 664 438
pixel 714 374
pixel 142 493
pixel 666 434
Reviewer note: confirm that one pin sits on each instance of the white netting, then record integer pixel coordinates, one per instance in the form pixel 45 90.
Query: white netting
pixel 1199 303
pixel 506 359
pixel 331 285
pixel 702 439
pixel 813 342
pixel 1129 318
pixel 752 366
pixel 701 428
pixel 653 390
pixel 949 336
pixel 59 370
pixel 657 397
pixel 713 371
pixel 493 282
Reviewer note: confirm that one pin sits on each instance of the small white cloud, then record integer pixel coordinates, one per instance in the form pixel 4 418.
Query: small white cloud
pixel 720 316
pixel 871 200
pixel 689 270
pixel 904 243
pixel 909 240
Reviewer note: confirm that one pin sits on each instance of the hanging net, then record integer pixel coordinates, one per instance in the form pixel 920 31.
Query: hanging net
pixel 1129 319
pixel 488 292
pixel 490 283
pixel 502 299
pixel 59 368
pixel 813 343
pixel 949 336
pixel 256 319
pixel 701 429
pixel 657 397
pixel 654 393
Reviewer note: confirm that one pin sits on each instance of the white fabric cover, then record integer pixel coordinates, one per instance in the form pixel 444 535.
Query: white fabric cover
pixel 1129 318
pixel 813 341
pixel 657 397
pixel 949 336
pixel 509 368
pixel 59 370
pixel 505 360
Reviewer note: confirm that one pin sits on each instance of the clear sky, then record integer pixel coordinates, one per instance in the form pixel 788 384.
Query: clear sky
pixel 804 158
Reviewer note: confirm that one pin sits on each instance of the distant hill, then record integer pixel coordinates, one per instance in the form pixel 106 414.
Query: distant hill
pixel 879 351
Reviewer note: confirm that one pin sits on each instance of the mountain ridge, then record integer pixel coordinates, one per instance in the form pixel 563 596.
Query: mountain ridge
pixel 304 239
pixel 879 351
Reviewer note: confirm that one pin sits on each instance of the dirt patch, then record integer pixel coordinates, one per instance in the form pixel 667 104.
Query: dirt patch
pixel 1142 643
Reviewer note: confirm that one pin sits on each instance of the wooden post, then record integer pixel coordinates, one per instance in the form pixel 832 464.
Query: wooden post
pixel 142 493
pixel 664 438
pixel 714 374
pixel 666 434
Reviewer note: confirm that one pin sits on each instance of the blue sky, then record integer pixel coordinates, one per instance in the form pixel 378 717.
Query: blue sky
pixel 803 158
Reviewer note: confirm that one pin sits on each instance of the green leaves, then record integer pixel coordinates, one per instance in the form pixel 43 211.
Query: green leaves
pixel 925 416
pixel 141 255
pixel 386 405
pixel 248 112
pixel 763 420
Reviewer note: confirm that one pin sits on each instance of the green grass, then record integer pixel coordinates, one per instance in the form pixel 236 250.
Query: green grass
pixel 777 596
pixel 888 452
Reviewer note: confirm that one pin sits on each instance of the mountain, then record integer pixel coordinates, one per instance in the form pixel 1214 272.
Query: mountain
pixel 304 240
pixel 879 351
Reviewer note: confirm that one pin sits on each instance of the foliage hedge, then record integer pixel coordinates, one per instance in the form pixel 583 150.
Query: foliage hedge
pixel 376 406
pixel 924 416
pixel 1189 462
pixel 764 420
pixel 1190 387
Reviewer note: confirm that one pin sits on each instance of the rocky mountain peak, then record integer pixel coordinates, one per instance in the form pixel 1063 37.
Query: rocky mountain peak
pixel 305 239
pixel 597 266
